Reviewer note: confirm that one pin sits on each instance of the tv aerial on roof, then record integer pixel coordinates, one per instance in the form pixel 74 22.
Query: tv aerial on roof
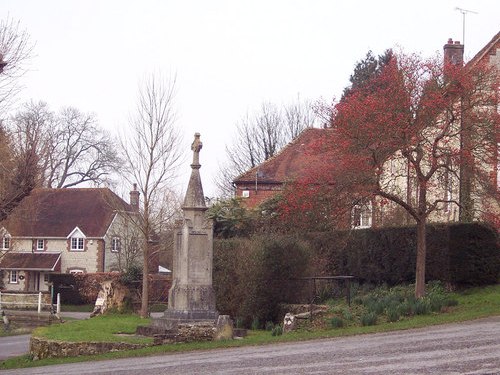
pixel 464 12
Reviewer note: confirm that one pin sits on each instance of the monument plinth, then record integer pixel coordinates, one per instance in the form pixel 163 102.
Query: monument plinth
pixel 191 298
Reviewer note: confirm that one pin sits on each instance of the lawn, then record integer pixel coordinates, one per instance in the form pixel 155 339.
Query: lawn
pixel 472 304
pixel 105 328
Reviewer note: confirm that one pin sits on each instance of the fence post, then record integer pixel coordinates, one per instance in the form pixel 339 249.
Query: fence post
pixel 58 307
pixel 39 302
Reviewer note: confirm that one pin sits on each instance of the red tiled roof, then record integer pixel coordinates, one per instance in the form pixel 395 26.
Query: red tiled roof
pixel 294 160
pixel 56 212
pixel 31 261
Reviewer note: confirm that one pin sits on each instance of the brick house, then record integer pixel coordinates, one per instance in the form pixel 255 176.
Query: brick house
pixel 64 231
pixel 268 178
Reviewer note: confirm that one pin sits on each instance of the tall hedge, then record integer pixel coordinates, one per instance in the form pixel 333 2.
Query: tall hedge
pixel 251 275
pixel 461 254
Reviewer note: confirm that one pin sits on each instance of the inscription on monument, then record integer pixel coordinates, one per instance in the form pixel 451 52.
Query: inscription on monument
pixel 198 260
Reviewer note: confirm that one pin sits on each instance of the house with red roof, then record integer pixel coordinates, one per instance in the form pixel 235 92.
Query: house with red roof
pixel 298 158
pixel 73 230
pixel 269 178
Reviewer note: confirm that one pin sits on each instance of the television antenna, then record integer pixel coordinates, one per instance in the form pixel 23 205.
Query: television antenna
pixel 464 12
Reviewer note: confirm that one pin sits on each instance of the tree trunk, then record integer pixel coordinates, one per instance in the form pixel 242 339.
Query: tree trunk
pixel 145 282
pixel 421 255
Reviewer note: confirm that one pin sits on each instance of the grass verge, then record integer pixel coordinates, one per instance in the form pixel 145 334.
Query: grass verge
pixel 473 304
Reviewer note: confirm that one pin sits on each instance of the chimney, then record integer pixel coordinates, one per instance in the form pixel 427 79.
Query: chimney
pixel 453 53
pixel 134 199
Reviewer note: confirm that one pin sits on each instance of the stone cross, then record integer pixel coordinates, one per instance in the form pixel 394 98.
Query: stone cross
pixel 196 147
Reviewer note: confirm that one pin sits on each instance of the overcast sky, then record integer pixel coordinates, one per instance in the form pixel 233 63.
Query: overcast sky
pixel 229 56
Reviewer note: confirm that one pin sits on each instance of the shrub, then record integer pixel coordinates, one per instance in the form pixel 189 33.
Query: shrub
pixel 369 319
pixel 269 326
pixel 238 323
pixel 255 324
pixel 436 304
pixel 392 314
pixel 336 322
pixel 347 315
pixel 277 330
pixel 421 307
pixel 252 276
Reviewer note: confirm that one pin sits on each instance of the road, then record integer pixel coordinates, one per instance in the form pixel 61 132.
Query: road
pixel 13 346
pixel 460 348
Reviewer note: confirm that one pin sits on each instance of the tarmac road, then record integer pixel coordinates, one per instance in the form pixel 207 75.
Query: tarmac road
pixel 461 348
pixel 13 346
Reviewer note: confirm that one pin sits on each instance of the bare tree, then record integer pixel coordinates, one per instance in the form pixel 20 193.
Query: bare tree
pixel 18 170
pixel 71 148
pixel 152 154
pixel 15 52
pixel 261 136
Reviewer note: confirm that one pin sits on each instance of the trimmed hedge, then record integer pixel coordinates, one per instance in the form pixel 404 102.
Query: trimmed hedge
pixel 460 254
pixel 251 275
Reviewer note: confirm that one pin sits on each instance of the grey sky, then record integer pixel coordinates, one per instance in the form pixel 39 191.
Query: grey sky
pixel 229 56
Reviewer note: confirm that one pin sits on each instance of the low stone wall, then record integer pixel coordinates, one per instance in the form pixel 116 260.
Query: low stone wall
pixel 41 348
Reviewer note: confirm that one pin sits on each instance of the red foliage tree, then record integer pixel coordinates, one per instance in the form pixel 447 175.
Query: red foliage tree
pixel 406 136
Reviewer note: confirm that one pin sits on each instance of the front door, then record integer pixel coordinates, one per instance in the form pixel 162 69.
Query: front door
pixel 34 281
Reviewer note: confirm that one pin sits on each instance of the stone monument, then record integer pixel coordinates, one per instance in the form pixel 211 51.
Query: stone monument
pixel 191 298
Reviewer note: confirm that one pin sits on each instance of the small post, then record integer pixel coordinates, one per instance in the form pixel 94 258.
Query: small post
pixel 39 302
pixel 348 291
pixel 58 307
pixel 0 300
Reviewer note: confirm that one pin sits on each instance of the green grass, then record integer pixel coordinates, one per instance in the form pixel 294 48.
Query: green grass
pixel 472 304
pixel 101 328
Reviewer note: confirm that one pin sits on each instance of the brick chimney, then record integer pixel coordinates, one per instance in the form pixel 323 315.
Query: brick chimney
pixel 453 53
pixel 134 199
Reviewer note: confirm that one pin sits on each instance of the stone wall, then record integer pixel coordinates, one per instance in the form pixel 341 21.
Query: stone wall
pixel 43 348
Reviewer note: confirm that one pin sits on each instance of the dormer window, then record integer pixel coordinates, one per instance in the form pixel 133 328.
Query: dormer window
pixel 5 243
pixel 76 240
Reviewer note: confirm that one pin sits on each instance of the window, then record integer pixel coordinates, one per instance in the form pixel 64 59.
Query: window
pixel 115 244
pixel 362 215
pixel 245 194
pixel 40 245
pixel 13 279
pixel 77 244
pixel 46 277
pixel 76 270
pixel 5 243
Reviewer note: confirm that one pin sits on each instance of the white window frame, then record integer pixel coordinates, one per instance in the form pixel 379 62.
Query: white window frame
pixel 76 270
pixel 5 243
pixel 77 244
pixel 115 244
pixel 245 194
pixel 39 242
pixel 14 277
pixel 365 216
